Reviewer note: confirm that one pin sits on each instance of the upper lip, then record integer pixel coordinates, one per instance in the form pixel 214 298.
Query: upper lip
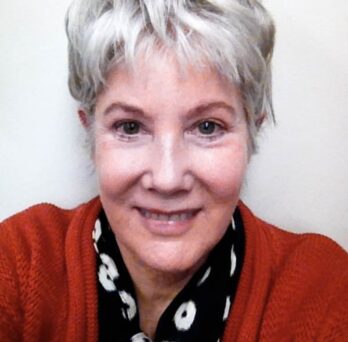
pixel 169 212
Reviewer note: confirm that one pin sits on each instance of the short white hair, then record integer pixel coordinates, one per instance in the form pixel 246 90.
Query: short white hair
pixel 235 37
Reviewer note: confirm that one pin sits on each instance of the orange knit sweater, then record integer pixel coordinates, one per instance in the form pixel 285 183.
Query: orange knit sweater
pixel 292 287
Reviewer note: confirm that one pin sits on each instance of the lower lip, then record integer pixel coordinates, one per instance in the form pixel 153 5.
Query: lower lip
pixel 167 228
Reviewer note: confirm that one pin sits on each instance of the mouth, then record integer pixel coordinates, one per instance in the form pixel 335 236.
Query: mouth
pixel 168 216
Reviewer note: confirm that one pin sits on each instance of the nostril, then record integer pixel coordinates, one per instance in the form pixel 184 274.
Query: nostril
pixel 170 183
pixel 168 171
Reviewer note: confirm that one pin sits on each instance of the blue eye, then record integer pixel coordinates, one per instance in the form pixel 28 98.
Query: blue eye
pixel 127 128
pixel 207 127
pixel 130 127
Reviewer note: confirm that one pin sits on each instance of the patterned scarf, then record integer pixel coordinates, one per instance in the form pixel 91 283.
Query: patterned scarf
pixel 198 312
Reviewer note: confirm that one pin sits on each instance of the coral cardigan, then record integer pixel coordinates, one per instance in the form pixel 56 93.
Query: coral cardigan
pixel 292 287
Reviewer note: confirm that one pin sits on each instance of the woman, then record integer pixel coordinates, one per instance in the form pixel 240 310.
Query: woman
pixel 172 94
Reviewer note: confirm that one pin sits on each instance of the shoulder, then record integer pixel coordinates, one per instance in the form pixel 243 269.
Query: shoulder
pixel 41 227
pixel 41 249
pixel 285 247
pixel 43 215
pixel 305 277
pixel 49 213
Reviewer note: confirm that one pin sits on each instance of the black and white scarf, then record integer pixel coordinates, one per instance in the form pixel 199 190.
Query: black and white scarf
pixel 198 312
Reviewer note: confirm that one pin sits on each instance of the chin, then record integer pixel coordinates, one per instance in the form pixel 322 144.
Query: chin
pixel 172 258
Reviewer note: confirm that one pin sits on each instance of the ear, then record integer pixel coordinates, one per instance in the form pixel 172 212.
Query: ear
pixel 83 116
pixel 260 120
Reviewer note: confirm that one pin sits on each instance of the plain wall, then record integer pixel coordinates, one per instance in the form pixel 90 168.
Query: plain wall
pixel 298 180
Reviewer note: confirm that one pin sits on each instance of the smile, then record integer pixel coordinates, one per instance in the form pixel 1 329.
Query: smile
pixel 175 216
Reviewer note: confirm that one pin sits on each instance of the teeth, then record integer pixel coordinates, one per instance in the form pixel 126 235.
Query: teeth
pixel 164 217
pixel 176 217
pixel 161 217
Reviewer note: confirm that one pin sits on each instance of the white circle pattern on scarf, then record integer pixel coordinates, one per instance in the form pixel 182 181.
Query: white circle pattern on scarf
pixel 185 316
pixel 233 261
pixel 233 223
pixel 141 337
pixel 107 273
pixel 182 320
pixel 205 276
pixel 131 307
pixel 227 308
pixel 96 234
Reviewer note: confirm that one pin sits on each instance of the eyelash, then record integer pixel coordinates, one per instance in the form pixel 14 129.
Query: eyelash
pixel 215 135
pixel 117 126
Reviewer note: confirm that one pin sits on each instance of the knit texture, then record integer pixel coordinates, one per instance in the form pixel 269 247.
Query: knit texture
pixel 292 287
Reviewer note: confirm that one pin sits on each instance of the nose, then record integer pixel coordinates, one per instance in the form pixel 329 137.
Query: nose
pixel 169 170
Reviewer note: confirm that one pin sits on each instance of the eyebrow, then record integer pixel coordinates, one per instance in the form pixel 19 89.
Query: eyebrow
pixel 201 108
pixel 123 106
pixel 206 107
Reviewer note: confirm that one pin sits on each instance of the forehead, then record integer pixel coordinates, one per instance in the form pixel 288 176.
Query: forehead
pixel 160 80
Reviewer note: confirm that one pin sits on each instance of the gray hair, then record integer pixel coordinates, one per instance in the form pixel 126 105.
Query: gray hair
pixel 236 37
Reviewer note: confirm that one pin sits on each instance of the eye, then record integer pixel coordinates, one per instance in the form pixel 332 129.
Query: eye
pixel 127 127
pixel 130 127
pixel 208 127
pixel 128 130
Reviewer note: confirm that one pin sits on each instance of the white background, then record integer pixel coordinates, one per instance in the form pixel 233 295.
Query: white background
pixel 299 179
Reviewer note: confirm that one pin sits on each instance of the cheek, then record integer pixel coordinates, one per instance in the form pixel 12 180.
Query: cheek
pixel 116 168
pixel 223 170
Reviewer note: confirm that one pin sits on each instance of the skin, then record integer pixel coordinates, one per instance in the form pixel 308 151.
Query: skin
pixel 168 141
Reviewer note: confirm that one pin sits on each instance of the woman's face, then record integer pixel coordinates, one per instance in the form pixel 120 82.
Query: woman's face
pixel 171 151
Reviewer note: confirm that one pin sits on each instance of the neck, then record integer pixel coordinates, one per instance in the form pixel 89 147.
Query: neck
pixel 155 290
pixel 154 294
